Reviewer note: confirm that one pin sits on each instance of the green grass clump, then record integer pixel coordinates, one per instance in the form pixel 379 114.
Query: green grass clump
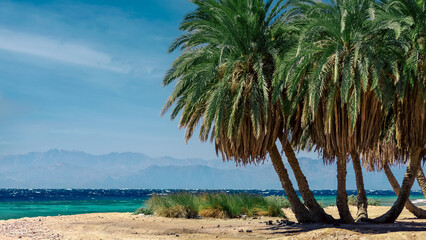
pixel 144 210
pixel 182 205
pixel 217 205
pixel 231 206
pixel 276 204
pixel 373 202
pixel 279 201
pixel 353 201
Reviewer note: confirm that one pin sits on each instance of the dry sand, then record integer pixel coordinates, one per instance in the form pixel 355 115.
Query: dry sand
pixel 127 226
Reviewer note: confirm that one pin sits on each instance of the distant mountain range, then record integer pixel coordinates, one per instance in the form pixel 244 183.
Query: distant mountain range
pixel 75 169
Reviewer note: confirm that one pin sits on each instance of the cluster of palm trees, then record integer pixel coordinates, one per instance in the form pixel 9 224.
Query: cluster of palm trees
pixel 345 78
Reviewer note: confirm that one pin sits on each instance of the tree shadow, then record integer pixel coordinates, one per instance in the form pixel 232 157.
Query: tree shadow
pixel 361 228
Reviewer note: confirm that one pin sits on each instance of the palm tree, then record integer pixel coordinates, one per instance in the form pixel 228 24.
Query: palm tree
pixel 362 202
pixel 404 192
pixel 224 83
pixel 386 155
pixel 421 180
pixel 409 113
pixel 333 77
pixel 418 212
pixel 390 153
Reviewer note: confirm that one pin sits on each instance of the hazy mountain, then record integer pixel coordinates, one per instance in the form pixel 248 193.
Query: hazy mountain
pixel 74 169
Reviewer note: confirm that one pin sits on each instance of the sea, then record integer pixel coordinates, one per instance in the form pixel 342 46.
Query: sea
pixel 19 203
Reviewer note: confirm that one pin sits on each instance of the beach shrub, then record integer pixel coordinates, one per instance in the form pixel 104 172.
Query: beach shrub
pixel 144 210
pixel 321 203
pixel 372 202
pixel 214 205
pixel 353 201
pixel 279 201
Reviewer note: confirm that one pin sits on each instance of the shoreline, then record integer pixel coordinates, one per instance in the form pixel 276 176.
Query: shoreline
pixel 128 226
pixel 46 202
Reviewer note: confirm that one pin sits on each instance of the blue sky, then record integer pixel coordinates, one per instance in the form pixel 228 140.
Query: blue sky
pixel 86 75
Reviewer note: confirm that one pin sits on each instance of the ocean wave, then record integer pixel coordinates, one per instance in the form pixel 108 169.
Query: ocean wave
pixel 419 201
pixel 12 195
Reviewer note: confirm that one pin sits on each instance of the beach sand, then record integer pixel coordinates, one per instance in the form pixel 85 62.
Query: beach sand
pixel 127 226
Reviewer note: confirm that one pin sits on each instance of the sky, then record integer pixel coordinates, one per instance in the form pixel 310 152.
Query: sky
pixel 86 75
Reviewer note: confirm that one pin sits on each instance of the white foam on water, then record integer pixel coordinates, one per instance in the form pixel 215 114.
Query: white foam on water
pixel 419 201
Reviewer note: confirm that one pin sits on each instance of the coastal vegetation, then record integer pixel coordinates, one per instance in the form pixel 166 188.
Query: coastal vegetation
pixel 344 78
pixel 222 205
pixel 353 201
pixel 214 205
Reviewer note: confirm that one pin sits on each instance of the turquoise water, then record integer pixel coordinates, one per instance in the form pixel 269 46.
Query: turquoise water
pixel 385 200
pixel 20 209
pixel 19 203
pixel 11 210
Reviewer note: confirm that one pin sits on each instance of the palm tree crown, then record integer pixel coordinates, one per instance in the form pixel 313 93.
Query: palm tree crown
pixel 335 72
pixel 224 76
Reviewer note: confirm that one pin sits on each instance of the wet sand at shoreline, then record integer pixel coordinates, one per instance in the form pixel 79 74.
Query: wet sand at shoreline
pixel 128 226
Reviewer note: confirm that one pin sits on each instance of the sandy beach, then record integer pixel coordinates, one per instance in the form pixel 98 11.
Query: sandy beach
pixel 127 226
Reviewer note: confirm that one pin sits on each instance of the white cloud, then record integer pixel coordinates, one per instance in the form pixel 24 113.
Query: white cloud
pixel 54 49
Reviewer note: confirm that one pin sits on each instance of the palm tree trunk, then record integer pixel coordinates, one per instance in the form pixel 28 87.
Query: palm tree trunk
pixel 422 181
pixel 303 215
pixel 342 196
pixel 361 196
pixel 418 212
pixel 307 195
pixel 404 193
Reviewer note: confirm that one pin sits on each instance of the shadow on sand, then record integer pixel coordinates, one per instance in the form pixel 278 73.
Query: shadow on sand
pixel 361 228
